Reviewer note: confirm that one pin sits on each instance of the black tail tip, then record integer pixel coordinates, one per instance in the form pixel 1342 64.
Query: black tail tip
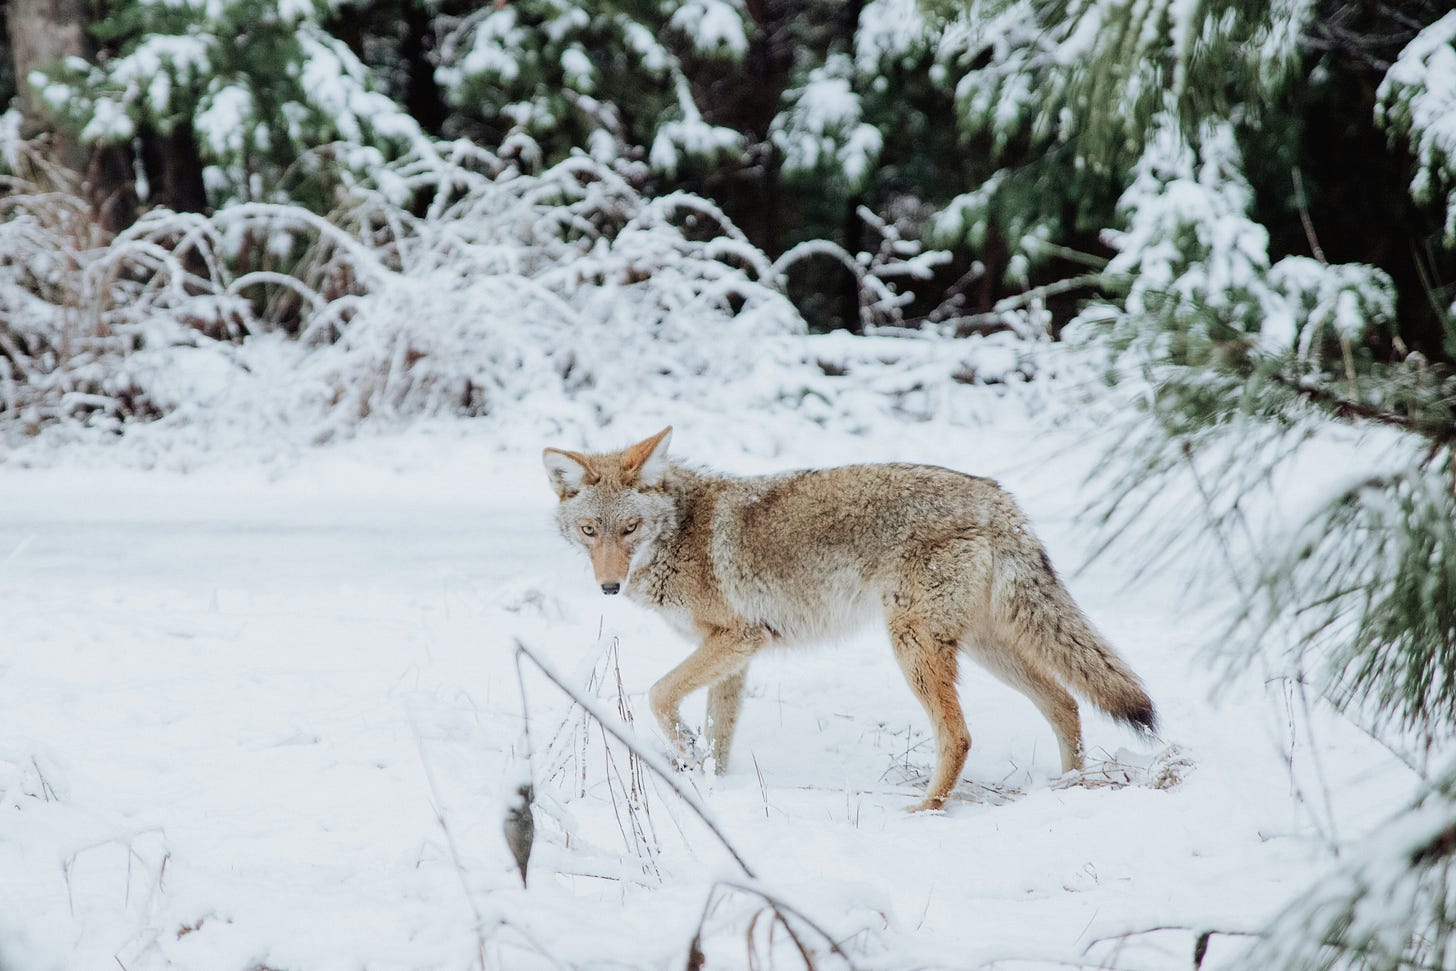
pixel 1143 718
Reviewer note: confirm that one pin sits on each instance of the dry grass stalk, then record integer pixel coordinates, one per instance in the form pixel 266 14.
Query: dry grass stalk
pixel 658 767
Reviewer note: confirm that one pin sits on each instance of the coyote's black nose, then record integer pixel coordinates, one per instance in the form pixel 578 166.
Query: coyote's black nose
pixel 611 587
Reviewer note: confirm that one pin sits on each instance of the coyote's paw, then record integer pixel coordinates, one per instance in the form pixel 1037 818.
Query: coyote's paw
pixel 688 762
pixel 686 755
pixel 929 804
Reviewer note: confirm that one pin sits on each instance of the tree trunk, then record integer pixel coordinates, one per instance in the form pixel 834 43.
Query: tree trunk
pixel 422 96
pixel 43 33
pixel 174 168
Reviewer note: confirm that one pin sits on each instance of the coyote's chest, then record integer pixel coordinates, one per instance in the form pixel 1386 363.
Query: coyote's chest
pixel 663 584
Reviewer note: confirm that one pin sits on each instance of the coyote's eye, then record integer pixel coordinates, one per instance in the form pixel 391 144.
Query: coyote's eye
pixel 630 528
pixel 588 529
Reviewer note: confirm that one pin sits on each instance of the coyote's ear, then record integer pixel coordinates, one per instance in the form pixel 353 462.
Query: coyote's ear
pixel 647 460
pixel 568 471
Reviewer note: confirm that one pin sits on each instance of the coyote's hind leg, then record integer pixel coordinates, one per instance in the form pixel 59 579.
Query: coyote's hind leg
pixel 930 666
pixel 1057 706
pixel 725 701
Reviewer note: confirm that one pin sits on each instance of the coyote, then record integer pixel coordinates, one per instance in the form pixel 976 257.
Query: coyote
pixel 738 563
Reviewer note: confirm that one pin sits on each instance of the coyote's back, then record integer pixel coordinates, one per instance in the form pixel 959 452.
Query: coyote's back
pixel 947 560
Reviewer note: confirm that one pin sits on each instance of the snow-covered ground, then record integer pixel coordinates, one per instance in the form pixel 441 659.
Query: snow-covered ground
pixel 266 714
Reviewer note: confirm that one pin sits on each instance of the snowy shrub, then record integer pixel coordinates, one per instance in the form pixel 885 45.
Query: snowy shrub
pixel 525 290
pixel 1343 303
pixel 1190 254
pixel 449 284
pixel 688 138
pixel 65 332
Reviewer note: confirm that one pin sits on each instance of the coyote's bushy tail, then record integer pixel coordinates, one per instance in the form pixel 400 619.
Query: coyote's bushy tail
pixel 1035 610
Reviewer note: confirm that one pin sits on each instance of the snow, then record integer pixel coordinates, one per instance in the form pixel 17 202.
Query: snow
pixel 891 32
pixel 159 64
pixel 108 121
pixel 221 119
pixel 1376 899
pixel 577 70
pixel 653 57
pixel 495 39
pixel 713 27
pixel 264 713
pixel 333 83
pixel 1345 299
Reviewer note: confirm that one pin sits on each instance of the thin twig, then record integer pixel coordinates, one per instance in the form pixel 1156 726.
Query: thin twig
pixel 649 759
pixel 782 910
pixel 1200 940
pixel 1017 301
pixel 1301 204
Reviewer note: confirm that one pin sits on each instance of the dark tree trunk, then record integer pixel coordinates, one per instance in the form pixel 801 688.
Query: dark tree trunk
pixel 7 63
pixel 42 34
pixel 746 100
pixel 850 295
pixel 422 97
pixel 174 168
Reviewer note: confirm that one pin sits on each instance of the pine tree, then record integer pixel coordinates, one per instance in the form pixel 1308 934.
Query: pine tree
pixel 610 80
pixel 1246 355
pixel 256 94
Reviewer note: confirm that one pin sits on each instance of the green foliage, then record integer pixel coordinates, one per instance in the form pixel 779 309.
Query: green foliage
pixel 1246 360
pixel 1065 95
pixel 1093 74
pixel 1377 567
pixel 822 135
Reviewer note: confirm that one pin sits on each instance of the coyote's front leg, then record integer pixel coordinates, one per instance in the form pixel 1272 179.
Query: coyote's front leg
pixel 723 655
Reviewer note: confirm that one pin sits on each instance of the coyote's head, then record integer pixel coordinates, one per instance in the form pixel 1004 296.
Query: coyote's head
pixel 612 504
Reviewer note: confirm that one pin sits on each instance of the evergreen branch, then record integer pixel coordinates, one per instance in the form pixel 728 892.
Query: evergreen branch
pixel 1344 407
